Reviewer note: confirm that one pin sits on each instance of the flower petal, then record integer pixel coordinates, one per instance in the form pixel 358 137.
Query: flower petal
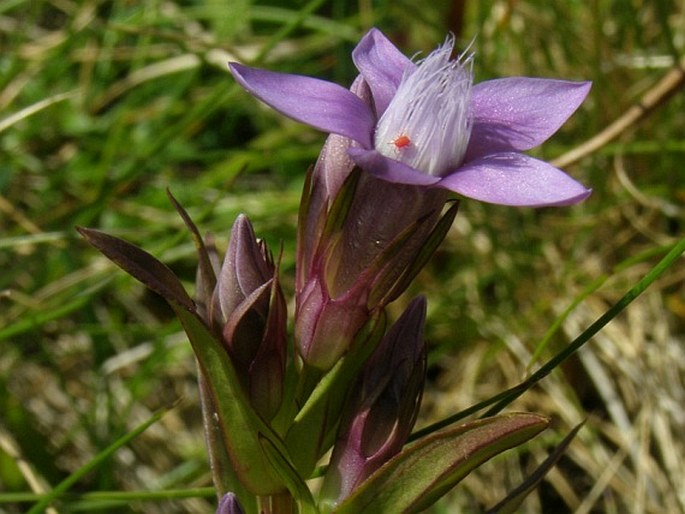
pixel 510 178
pixel 382 66
pixel 390 169
pixel 323 105
pixel 519 113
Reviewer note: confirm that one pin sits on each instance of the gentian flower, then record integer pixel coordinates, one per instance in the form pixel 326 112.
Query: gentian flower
pixel 427 124
pixel 419 131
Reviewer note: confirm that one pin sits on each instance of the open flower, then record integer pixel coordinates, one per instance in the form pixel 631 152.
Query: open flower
pixel 427 124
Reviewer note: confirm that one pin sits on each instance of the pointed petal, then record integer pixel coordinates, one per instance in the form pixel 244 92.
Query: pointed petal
pixel 390 169
pixel 323 105
pixel 510 178
pixel 519 113
pixel 382 66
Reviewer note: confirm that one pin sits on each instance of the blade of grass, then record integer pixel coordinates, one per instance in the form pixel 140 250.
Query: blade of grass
pixel 96 461
pixel 115 496
pixel 504 398
pixel 603 320
pixel 591 288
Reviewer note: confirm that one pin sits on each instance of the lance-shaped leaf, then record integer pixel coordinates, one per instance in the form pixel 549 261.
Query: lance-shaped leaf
pixel 140 265
pixel 514 499
pixel 419 475
pixel 240 425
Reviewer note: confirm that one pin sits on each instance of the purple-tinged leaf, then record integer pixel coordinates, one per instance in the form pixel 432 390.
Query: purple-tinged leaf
pixel 140 265
pixel 206 274
pixel 423 472
pixel 241 427
pixel 238 423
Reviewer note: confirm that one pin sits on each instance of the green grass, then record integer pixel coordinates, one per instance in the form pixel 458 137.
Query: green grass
pixel 103 105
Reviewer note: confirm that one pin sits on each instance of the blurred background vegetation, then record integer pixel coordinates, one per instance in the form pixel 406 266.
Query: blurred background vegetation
pixel 104 104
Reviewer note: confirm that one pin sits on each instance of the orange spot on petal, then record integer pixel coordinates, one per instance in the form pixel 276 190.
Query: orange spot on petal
pixel 402 141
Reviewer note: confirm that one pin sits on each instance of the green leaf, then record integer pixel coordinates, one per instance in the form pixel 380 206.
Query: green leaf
pixel 513 501
pixel 297 487
pixel 419 475
pixel 224 474
pixel 237 420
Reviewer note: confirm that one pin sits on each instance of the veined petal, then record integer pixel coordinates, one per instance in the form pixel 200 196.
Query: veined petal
pixel 382 66
pixel 323 105
pixel 519 113
pixel 510 178
pixel 389 169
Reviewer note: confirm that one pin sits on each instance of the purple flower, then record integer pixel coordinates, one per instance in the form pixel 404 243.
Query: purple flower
pixel 427 124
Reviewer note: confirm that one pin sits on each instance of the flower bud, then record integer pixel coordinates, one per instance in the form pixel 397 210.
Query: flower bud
pixel 384 235
pixel 248 312
pixel 229 505
pixel 383 406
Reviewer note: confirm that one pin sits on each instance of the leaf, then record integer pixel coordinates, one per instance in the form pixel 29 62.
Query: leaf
pixel 223 473
pixel 240 425
pixel 514 499
pixel 141 266
pixel 297 487
pixel 420 474
pixel 207 275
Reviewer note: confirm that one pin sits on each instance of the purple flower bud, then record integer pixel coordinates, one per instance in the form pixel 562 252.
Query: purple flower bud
pixel 383 406
pixel 358 269
pixel 229 505
pixel 248 312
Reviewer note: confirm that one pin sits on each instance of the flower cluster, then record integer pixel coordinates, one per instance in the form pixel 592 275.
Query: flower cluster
pixel 406 142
